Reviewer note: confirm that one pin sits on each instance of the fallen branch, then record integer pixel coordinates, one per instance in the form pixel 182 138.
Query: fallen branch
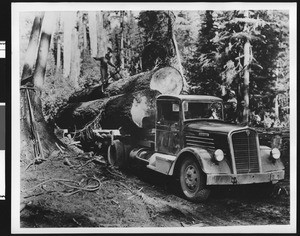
pixel 85 163
pixel 115 174
pixel 36 161
pixel 124 185
pixel 98 160
pixel 74 143
pixel 76 222
pixel 59 148
pixel 67 162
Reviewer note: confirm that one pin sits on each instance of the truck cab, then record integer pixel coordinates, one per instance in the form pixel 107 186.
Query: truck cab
pixel 193 143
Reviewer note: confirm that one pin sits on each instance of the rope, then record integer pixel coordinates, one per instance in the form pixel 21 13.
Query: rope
pixel 77 187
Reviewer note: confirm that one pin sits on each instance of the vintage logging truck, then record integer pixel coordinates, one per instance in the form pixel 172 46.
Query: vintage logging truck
pixel 192 142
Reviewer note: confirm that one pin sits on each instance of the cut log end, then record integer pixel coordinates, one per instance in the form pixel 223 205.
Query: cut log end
pixel 167 80
pixel 142 108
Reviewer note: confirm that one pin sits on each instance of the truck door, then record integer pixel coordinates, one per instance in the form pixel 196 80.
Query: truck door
pixel 168 127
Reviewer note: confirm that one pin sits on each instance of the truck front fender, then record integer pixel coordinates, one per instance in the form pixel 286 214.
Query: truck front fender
pixel 267 163
pixel 206 162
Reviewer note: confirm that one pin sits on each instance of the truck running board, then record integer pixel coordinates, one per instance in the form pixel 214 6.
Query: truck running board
pixel 161 162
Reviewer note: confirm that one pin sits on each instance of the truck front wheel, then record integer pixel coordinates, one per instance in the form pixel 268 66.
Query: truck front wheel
pixel 192 181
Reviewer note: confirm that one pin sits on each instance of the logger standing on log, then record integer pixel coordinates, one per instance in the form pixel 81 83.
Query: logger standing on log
pixel 104 61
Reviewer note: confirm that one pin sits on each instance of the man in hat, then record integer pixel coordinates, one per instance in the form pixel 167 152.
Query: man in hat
pixel 104 61
pixel 232 111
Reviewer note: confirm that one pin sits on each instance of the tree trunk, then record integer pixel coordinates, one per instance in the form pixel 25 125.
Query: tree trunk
pixel 167 80
pixel 185 85
pixel 246 81
pixel 85 45
pixel 75 58
pixel 46 136
pixel 122 41
pixel 93 33
pixel 58 56
pixel 102 44
pixel 129 110
pixel 34 130
pixel 40 67
pixel 69 23
pixel 82 38
pixel 31 53
pixel 58 51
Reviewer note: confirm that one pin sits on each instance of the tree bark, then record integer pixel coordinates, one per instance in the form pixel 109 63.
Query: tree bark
pixel 166 80
pixel 69 23
pixel 75 58
pixel 122 41
pixel 40 67
pixel 133 108
pixel 93 33
pixel 132 112
pixel 58 45
pixel 185 85
pixel 46 136
pixel 34 131
pixel 101 35
pixel 246 80
pixel 58 56
pixel 84 32
pixel 31 53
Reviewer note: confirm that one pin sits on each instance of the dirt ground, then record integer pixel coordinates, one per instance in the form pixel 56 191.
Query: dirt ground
pixel 81 190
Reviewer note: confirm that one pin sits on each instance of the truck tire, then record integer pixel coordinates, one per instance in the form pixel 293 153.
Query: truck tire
pixel 116 154
pixel 192 180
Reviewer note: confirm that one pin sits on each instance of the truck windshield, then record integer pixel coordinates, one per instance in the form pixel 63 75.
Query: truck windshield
pixel 202 110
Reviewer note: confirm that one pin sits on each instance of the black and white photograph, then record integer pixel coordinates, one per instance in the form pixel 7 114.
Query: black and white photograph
pixel 153 118
pixel 2 119
pixel 2 151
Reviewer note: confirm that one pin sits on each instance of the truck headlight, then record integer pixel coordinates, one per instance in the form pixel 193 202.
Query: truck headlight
pixel 219 155
pixel 275 153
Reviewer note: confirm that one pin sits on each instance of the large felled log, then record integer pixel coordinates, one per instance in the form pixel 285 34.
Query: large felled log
pixel 129 111
pixel 167 79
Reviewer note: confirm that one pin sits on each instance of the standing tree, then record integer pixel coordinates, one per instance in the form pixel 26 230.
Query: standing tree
pixel 204 70
pixel 58 47
pixel 93 33
pixel 68 23
pixel 238 49
pixel 101 35
pixel 34 128
pixel 75 57
pixel 161 47
pixel 31 52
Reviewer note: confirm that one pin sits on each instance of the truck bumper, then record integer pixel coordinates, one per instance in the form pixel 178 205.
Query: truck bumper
pixel 250 178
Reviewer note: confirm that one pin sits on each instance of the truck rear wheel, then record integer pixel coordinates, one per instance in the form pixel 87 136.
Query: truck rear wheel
pixel 116 154
pixel 192 181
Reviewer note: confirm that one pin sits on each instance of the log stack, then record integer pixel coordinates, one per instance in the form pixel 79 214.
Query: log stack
pixel 129 103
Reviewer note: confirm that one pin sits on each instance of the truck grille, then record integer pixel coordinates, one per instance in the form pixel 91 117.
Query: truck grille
pixel 245 151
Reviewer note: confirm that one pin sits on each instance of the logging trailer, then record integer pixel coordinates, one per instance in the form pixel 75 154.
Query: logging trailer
pixel 191 141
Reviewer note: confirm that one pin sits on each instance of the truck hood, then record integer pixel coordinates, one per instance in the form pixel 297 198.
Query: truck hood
pixel 214 126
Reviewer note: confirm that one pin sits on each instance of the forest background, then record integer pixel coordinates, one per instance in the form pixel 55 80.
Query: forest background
pixel 219 51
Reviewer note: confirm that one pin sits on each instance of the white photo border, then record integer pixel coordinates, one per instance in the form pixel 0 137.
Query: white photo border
pixel 17 8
